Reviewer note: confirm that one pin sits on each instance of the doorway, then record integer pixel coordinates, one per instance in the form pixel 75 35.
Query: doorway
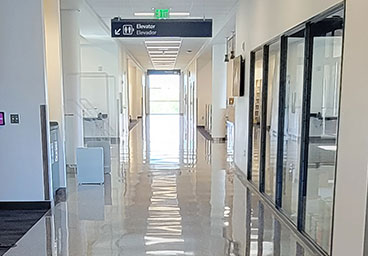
pixel 164 93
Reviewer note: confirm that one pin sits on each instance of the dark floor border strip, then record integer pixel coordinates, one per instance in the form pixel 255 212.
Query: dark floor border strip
pixel 113 140
pixel 302 239
pixel 204 133
pixel 39 205
pixel 6 248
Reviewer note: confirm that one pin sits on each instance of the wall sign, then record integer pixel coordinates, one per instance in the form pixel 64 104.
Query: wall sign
pixel 162 13
pixel 161 28
pixel 2 118
pixel 163 72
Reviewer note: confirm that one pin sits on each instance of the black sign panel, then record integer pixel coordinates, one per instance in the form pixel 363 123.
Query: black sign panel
pixel 161 28
pixel 163 72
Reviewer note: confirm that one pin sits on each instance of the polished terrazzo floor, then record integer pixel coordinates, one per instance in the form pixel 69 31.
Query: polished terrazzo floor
pixel 170 192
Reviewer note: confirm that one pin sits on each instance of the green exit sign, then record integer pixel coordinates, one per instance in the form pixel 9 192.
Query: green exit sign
pixel 162 13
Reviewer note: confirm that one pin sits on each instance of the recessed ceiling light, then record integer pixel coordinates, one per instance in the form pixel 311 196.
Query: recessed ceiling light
pixel 164 62
pixel 160 57
pixel 163 48
pixel 177 46
pixel 150 14
pixel 179 14
pixel 163 57
pixel 164 52
pixel 163 42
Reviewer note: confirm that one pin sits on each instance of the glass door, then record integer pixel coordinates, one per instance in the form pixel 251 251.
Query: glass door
pixel 272 119
pixel 327 42
pixel 164 94
pixel 292 123
pixel 257 116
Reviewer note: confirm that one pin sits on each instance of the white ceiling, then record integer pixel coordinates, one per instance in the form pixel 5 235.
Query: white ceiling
pixel 104 10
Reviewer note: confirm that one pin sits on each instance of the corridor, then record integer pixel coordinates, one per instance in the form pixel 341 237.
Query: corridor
pixel 179 194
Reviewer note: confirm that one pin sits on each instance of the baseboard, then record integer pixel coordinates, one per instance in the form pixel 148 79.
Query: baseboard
pixel 113 139
pixel 35 205
pixel 219 139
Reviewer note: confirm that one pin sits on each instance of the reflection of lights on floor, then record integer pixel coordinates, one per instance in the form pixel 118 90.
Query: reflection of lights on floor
pixel 149 240
pixel 227 212
pixel 267 248
pixel 168 253
pixel 328 148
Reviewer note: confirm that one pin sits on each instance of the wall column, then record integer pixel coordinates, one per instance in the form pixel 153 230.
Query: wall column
pixel 71 70
pixel 54 77
pixel 352 161
pixel 218 91
pixel 24 176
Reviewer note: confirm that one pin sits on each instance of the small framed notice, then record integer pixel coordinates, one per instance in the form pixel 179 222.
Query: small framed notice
pixel 2 118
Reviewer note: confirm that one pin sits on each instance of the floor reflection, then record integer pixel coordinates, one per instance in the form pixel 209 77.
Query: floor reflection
pixel 176 194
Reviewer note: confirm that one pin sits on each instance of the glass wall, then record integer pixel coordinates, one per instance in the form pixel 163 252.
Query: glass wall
pixel 257 113
pixel 300 123
pixel 272 118
pixel 292 125
pixel 324 114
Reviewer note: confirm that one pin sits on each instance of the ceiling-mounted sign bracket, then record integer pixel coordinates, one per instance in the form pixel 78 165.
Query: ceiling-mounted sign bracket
pixel 132 28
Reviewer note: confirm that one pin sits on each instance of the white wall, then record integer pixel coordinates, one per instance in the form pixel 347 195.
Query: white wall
pixel 22 90
pixel 204 87
pixel 123 91
pixel 352 173
pixel 71 59
pixel 100 57
pixel 139 92
pixel 191 91
pixel 219 81
pixel 99 78
pixel 135 80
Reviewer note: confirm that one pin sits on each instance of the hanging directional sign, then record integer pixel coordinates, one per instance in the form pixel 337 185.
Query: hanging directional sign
pixel 161 28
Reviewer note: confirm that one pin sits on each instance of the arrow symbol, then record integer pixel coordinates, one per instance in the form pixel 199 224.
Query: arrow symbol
pixel 117 32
